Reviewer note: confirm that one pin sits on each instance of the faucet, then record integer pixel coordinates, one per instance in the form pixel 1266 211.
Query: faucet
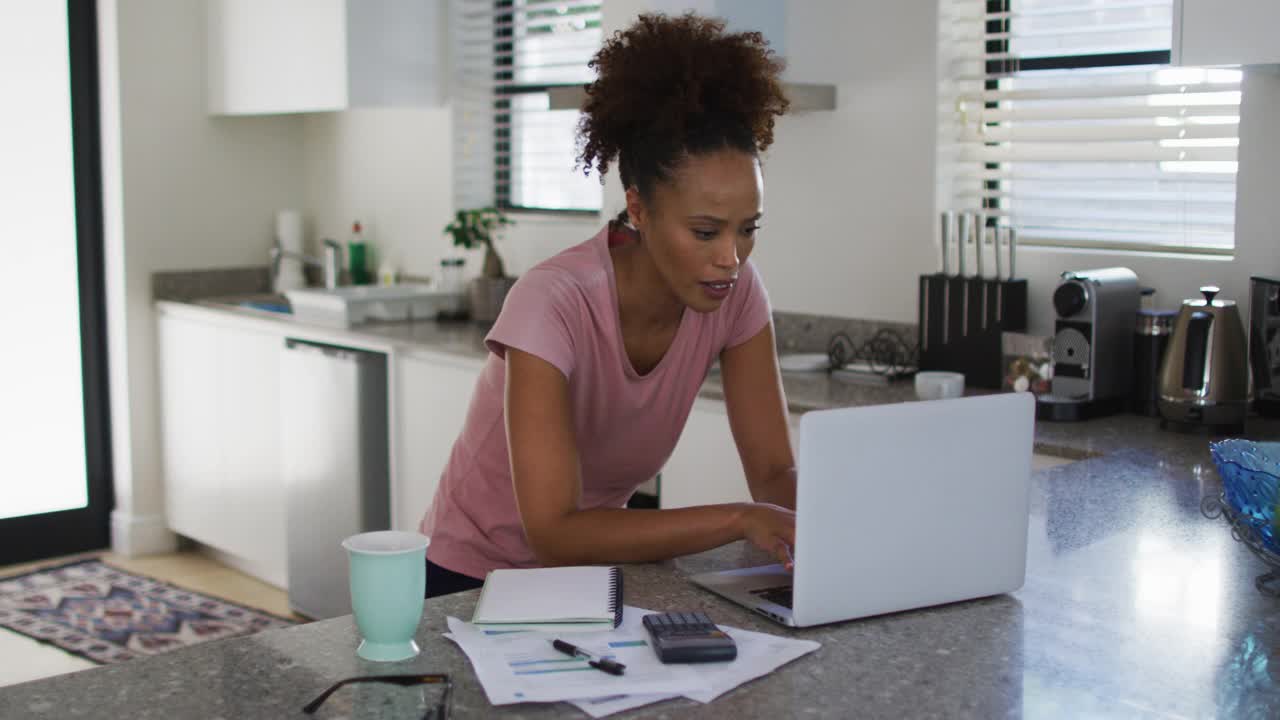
pixel 330 264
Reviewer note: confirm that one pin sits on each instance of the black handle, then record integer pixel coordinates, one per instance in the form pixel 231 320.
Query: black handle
pixel 1197 350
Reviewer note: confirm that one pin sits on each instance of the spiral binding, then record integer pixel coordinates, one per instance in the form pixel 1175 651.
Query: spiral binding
pixel 615 595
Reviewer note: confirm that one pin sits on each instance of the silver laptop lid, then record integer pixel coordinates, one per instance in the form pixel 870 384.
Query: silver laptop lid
pixel 908 505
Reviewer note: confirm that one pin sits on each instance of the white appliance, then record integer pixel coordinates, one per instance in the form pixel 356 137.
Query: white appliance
pixel 899 507
pixel 335 466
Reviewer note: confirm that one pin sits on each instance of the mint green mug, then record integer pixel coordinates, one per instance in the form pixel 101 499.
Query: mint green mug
pixel 388 582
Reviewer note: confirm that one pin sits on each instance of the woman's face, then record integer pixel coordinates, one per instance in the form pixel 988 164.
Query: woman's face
pixel 700 226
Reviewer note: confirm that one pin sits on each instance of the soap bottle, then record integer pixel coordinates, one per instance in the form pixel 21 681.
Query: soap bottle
pixel 387 274
pixel 356 258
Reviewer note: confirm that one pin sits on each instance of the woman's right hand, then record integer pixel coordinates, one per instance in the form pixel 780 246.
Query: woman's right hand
pixel 771 528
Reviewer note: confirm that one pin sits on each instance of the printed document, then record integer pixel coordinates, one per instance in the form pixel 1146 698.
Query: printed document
pixel 521 665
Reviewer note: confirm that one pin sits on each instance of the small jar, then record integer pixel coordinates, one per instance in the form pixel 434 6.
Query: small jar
pixel 451 275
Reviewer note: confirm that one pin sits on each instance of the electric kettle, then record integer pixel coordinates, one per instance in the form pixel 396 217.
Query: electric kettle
pixel 1204 376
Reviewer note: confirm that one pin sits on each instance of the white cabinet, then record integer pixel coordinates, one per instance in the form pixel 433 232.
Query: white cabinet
pixel 705 469
pixel 290 56
pixel 220 415
pixel 431 398
pixel 1226 32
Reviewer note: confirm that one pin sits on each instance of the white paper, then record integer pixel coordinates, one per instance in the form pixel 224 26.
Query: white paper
pixel 511 666
pixel 608 705
pixel 758 654
pixel 522 666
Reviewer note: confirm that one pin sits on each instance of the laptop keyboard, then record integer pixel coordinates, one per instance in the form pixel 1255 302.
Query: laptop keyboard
pixel 776 595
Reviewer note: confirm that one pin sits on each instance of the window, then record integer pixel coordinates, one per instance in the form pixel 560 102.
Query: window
pixel 510 149
pixel 1064 119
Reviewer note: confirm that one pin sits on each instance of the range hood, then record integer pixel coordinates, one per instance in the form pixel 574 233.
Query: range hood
pixel 768 17
pixel 804 97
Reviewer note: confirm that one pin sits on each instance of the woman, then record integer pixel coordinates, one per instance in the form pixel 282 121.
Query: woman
pixel 599 352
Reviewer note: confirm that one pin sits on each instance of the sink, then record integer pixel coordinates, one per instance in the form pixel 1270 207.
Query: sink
pixel 355 304
pixel 281 306
pixel 269 303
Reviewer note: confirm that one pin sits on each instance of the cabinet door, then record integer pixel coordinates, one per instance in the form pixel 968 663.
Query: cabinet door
pixel 276 56
pixel 431 401
pixel 190 454
pixel 1226 32
pixel 705 468
pixel 250 502
pixel 220 415
pixel 292 56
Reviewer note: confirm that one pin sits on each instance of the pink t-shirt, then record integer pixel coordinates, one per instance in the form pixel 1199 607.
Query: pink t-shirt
pixel 565 311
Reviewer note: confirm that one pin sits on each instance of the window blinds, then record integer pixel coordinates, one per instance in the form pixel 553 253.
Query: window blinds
pixel 1063 118
pixel 510 149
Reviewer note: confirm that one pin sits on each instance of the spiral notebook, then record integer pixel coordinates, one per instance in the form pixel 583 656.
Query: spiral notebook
pixel 560 599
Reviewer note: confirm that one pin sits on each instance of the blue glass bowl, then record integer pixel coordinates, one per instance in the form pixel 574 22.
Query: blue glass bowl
pixel 1251 478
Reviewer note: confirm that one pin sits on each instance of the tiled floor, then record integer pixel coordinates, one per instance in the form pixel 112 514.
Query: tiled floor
pixel 22 658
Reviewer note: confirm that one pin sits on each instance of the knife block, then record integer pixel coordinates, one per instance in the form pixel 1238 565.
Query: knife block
pixel 962 321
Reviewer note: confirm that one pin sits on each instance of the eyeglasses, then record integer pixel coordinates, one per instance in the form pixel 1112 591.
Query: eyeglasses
pixel 439 712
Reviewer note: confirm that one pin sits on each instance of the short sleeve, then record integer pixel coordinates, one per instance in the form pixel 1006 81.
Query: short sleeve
pixel 537 317
pixel 750 307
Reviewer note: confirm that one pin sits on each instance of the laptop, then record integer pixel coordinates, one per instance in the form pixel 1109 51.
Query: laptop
pixel 899 507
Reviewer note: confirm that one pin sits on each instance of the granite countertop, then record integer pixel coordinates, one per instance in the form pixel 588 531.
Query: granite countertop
pixel 805 391
pixel 1135 605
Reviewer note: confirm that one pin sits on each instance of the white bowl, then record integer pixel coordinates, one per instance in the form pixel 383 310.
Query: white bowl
pixel 937 385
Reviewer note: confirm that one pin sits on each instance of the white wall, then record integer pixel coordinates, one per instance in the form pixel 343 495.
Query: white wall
pixel 182 190
pixel 849 193
pixel 390 168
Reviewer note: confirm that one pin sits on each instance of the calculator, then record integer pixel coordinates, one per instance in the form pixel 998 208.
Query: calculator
pixel 688 637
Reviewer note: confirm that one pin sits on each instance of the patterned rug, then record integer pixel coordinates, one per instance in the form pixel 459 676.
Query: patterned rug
pixel 107 615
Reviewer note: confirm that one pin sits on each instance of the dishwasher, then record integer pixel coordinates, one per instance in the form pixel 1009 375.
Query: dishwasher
pixel 335 465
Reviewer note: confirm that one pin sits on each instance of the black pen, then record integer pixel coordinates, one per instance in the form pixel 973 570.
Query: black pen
pixel 595 661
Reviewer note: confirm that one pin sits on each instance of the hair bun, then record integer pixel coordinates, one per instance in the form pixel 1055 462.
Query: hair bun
pixel 669 86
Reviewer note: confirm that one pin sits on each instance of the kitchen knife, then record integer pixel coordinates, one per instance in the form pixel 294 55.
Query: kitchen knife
pixel 979 237
pixel 984 286
pixel 933 292
pixel 1013 252
pixel 998 232
pixel 946 223
pixel 975 319
pixel 956 309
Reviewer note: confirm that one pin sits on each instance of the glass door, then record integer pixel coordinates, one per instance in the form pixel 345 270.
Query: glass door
pixel 55 485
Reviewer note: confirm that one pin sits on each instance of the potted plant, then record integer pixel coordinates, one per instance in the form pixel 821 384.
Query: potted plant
pixel 477 228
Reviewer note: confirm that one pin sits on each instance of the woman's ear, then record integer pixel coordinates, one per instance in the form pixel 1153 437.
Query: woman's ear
pixel 636 210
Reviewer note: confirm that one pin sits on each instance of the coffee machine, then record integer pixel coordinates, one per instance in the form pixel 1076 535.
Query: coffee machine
pixel 1264 344
pixel 1092 344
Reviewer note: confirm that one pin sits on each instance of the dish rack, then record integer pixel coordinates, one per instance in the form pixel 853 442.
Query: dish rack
pixel 1244 531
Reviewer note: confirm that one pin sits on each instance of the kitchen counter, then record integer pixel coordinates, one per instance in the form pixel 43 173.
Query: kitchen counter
pixel 1135 605
pixel 805 390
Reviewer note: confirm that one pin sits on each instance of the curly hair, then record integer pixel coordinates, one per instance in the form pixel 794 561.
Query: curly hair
pixel 668 87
